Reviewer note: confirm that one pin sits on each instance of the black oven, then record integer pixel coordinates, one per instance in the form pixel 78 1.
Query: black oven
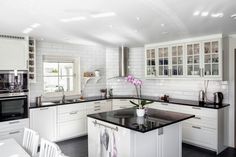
pixel 14 107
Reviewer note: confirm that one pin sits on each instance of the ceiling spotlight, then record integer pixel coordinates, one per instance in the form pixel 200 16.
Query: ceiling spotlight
pixel 196 13
pixel 138 18
pixel 204 14
pixel 27 30
pixel 164 33
pixel 162 25
pixel 111 26
pixel 73 19
pixel 107 14
pixel 217 15
pixel 233 16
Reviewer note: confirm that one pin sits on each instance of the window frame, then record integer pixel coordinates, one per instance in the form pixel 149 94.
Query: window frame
pixel 76 72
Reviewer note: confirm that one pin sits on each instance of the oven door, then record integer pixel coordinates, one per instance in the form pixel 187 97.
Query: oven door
pixel 12 108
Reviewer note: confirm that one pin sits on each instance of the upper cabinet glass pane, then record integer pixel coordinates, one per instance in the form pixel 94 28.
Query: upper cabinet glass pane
pixel 207 48
pixel 189 50
pixel 196 49
pixel 165 52
pixel 215 47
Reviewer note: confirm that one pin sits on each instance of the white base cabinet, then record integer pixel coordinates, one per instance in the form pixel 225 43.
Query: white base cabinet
pixel 13 129
pixel 43 120
pixel 205 130
pixel 118 104
pixel 164 142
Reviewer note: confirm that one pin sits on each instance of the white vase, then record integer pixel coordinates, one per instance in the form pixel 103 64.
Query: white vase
pixel 140 112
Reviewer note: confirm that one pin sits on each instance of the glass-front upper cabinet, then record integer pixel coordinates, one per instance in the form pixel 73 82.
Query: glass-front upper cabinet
pixel 177 60
pixel 163 61
pixel 193 59
pixel 211 58
pixel 151 63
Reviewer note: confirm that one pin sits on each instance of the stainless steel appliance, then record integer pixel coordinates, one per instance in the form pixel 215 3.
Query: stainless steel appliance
pixel 218 98
pixel 13 81
pixel 201 97
pixel 13 107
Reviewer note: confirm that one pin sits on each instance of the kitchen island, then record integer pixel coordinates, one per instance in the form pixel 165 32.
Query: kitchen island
pixel 121 133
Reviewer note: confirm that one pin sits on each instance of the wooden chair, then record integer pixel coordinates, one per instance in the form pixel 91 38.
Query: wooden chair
pixel 49 149
pixel 30 141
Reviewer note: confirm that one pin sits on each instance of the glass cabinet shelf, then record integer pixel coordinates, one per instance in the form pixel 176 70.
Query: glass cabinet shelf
pixel 150 62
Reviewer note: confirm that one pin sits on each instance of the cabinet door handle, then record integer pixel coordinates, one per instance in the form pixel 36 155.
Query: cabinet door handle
pixel 15 122
pixel 123 100
pixel 203 72
pixel 197 117
pixel 196 127
pixel 197 108
pixel 98 102
pixel 74 112
pixel 97 109
pixel 97 106
pixel 122 107
pixel 164 104
pixel 46 108
pixel 14 132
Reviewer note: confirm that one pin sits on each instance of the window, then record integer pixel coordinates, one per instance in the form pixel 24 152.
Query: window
pixel 59 72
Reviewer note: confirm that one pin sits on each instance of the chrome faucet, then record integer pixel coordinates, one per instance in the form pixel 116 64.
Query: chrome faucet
pixel 60 88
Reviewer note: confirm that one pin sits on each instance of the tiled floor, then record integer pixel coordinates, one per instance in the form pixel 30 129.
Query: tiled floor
pixel 78 147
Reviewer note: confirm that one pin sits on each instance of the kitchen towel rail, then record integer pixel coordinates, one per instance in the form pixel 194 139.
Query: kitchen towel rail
pixel 96 123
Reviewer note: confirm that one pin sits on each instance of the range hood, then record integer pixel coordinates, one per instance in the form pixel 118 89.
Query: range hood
pixel 123 62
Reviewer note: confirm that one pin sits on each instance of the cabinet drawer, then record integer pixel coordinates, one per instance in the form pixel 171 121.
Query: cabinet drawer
pixel 17 134
pixel 74 115
pixel 71 128
pixel 203 121
pixel 15 124
pixel 200 136
pixel 71 108
pixel 199 111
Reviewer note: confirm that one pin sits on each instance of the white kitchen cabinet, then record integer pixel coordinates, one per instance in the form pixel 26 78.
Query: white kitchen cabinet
pixel 13 129
pixel 13 53
pixel 98 106
pixel 118 104
pixel 43 120
pixel 71 121
pixel 150 63
pixel 206 129
pixel 198 58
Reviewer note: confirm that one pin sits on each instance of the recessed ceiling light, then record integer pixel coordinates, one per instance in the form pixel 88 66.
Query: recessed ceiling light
pixel 35 25
pixel 135 30
pixel 196 13
pixel 111 26
pixel 107 14
pixel 204 14
pixel 164 32
pixel 27 30
pixel 215 15
pixel 233 16
pixel 162 25
pixel 73 19
pixel 138 18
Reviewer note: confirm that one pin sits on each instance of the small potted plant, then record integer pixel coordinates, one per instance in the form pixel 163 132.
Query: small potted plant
pixel 141 103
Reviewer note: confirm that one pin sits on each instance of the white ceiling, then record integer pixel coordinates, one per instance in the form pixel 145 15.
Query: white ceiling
pixel 123 28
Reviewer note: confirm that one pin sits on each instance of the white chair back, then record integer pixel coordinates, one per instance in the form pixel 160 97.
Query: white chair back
pixel 30 141
pixel 49 149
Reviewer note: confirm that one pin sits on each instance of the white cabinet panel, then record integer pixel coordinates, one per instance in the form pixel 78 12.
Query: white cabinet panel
pixel 43 120
pixel 70 129
pixel 122 103
pixel 13 54
pixel 13 129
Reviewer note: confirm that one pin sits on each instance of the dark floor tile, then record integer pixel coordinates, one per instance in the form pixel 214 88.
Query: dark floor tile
pixel 78 147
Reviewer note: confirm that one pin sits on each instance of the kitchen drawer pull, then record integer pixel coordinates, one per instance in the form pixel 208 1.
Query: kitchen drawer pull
pixel 74 112
pixel 198 108
pixel 97 109
pixel 98 102
pixel 122 107
pixel 197 117
pixel 196 127
pixel 15 132
pixel 97 106
pixel 164 104
pixel 123 100
pixel 15 122
pixel 46 108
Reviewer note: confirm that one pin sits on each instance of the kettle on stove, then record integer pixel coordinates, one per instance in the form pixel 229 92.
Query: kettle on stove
pixel 218 98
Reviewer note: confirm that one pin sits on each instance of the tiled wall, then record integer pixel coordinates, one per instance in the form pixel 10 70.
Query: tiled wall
pixel 91 58
pixel 176 88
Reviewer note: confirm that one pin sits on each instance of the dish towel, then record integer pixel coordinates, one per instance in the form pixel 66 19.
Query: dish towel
pixel 114 148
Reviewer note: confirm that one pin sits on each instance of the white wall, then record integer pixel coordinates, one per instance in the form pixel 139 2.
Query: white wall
pixel 91 58
pixel 176 88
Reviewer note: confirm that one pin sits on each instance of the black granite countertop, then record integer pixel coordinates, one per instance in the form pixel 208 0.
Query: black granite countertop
pixel 152 120
pixel 150 98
